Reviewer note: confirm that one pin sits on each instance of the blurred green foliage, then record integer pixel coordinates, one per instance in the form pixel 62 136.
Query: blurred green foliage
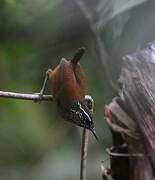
pixel 34 35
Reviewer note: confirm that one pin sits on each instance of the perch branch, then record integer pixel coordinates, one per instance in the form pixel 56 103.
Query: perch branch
pixel 84 150
pixel 85 139
pixel 34 97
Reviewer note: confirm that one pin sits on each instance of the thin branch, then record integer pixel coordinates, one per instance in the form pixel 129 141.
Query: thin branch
pixel 84 150
pixel 85 139
pixel 33 97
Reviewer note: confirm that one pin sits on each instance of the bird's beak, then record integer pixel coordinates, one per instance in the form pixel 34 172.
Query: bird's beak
pixel 94 133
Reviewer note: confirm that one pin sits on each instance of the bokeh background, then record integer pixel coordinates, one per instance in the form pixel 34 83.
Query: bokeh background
pixel 35 143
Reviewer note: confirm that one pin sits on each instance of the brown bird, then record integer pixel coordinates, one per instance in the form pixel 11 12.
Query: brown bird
pixel 68 86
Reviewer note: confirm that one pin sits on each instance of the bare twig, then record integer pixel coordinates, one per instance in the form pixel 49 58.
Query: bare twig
pixel 85 139
pixel 34 97
pixel 84 150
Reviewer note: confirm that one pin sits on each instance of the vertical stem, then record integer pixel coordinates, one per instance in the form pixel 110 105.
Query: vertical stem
pixel 84 150
pixel 85 139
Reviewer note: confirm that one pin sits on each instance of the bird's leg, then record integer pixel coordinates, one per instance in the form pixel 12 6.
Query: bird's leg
pixel 40 94
pixel 44 84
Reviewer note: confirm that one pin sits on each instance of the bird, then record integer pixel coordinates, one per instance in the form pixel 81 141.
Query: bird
pixel 68 86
